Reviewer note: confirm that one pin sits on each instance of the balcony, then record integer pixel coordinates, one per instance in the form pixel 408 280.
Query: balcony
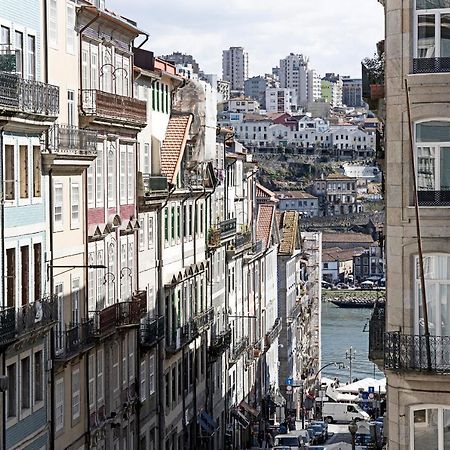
pixel 434 198
pixel 104 107
pixel 151 188
pixel 7 325
pixel 152 331
pixel 204 319
pixel 122 314
pixel 213 238
pixel 238 349
pixel 227 229
pixel 257 247
pixel 242 240
pixel 28 99
pixel 376 334
pixel 33 316
pixel 219 344
pixel 181 336
pixel 406 353
pixel 431 65
pixel 74 339
pixel 273 333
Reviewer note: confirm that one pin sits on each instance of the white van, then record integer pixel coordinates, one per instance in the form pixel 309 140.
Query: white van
pixel 332 412
pixel 296 439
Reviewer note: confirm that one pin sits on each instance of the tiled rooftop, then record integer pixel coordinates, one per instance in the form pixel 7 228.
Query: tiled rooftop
pixel 264 223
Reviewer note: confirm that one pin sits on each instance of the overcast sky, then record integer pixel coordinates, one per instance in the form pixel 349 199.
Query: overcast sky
pixel 335 34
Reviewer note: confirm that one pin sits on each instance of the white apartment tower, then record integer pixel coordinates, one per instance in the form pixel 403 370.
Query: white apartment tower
pixel 294 75
pixel 314 86
pixel 235 68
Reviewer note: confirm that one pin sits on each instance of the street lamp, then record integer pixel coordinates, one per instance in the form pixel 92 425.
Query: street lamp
pixel 353 428
pixel 350 355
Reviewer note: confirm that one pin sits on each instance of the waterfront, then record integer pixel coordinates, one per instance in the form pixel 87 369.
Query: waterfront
pixel 342 328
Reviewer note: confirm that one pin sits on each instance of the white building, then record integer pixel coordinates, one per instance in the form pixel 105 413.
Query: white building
pixel 304 203
pixel 294 75
pixel 280 100
pixel 242 105
pixel 235 68
pixel 314 86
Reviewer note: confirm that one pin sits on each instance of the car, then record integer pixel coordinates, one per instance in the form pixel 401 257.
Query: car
pixel 319 434
pixel 342 286
pixel 323 424
pixel 298 440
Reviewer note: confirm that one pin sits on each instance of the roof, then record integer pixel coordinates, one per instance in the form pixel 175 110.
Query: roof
pixel 338 176
pixel 338 254
pixel 174 143
pixel 347 238
pixel 264 193
pixel 264 223
pixel 289 227
pixel 294 194
pixel 256 118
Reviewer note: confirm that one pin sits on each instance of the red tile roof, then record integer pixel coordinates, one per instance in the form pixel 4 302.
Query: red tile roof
pixel 347 238
pixel 173 146
pixel 288 233
pixel 264 223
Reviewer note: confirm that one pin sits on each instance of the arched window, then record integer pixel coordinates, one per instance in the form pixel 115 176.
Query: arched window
pixel 433 162
pixel 429 427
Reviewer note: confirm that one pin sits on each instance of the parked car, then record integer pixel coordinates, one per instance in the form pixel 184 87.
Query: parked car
pixel 296 439
pixel 318 434
pixel 343 412
pixel 342 286
pixel 323 424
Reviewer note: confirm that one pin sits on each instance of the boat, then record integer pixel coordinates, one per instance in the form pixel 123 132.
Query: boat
pixel 357 302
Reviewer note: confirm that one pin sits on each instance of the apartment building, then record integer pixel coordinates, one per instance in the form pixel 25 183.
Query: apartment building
pixel 293 74
pixel 279 100
pixel 352 92
pixel 235 69
pixel 29 106
pixel 414 354
pixel 332 89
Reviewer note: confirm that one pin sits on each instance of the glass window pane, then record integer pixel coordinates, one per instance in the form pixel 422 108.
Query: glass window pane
pixel 445 35
pixel 432 4
pixel 426 169
pixel 445 169
pixel 446 425
pixel 433 131
pixel 426 41
pixel 426 429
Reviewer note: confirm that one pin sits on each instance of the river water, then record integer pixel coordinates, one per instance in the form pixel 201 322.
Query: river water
pixel 342 328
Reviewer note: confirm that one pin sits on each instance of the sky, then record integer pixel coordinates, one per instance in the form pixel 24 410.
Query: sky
pixel 335 34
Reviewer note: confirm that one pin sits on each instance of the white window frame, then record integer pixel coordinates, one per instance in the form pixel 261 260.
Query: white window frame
pixel 141 234
pixel 13 419
pixel 58 224
pixel 75 393
pixel 91 380
pixel 59 404
pixel 150 231
pixel 100 376
pixel 440 425
pixel 75 300
pixel 130 173
pixel 111 175
pixel 39 403
pixel 143 381
pixel 123 174
pixel 53 23
pixel 70 27
pixel 99 176
pixel 75 207
pixel 151 374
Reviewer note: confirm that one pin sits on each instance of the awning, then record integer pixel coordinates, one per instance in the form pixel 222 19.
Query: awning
pixel 249 409
pixel 241 419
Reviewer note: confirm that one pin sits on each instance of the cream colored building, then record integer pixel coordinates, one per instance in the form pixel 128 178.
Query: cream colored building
pixel 417 51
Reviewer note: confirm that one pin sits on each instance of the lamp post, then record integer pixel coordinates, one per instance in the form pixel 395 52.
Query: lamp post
pixel 350 354
pixel 353 428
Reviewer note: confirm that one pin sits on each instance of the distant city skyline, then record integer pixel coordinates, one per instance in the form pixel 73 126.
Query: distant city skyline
pixel 335 36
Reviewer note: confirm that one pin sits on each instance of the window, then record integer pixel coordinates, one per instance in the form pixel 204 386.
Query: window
pixel 9 173
pixel 428 424
pixel 23 166
pixel 143 386
pixel 25 274
pixel 38 381
pixel 141 235
pixel 123 175
pixel 25 383
pixel 58 206
pixel 94 66
pixel 5 36
pixel 37 253
pixel 172 223
pixel 59 404
pixel 31 57
pixel 146 163
pixel 75 205
pixel 115 366
pixel 178 222
pixel 166 224
pixel 190 220
pixel 90 184
pixel 111 176
pixel 75 393
pixel 91 380
pixel 75 297
pixel 433 163
pixel 53 22
pixel 36 171
pixel 111 270
pixel 18 47
pixel 11 393
pixel 99 174
pixel 100 383
pixel 150 232
pixel 124 360
pixel 130 173
pixel 131 358
pixel 151 374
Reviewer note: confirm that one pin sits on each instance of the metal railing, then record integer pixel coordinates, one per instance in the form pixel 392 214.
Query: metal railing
pixel 154 184
pixel 7 325
pixel 403 353
pixel 257 247
pixel 434 198
pixel 26 96
pixel 376 334
pixel 214 238
pixel 273 333
pixel 227 228
pixel 242 239
pixel 179 337
pixel 35 315
pixel 204 318
pixel 70 140
pixel 113 106
pixel 239 348
pixel 431 65
pixel 152 330
pixel 76 337
pixel 219 343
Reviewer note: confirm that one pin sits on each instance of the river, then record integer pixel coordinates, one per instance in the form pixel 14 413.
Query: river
pixel 342 328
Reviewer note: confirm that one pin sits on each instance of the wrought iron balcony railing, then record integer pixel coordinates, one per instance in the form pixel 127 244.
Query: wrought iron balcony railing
pixel 242 239
pixel 154 184
pixel 434 198
pixel 405 353
pixel 204 318
pixel 227 228
pixel 72 141
pixel 257 247
pixel 213 238
pixel 152 331
pixel 117 108
pixel 179 337
pixel 376 334
pixel 7 325
pixel 239 348
pixel 273 333
pixel 219 344
pixel 431 65
pixel 20 96
pixel 33 316
pixel 74 339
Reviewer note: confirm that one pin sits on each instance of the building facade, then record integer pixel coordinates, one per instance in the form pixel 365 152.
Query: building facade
pixel 235 69
pixel 352 92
